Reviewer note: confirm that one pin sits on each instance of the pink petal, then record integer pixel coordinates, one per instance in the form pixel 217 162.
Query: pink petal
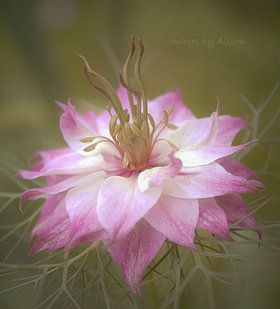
pixel 120 204
pixel 89 120
pixel 175 218
pixel 212 131
pixel 134 252
pixel 206 181
pixel 180 113
pixel 235 210
pixel 52 230
pixel 236 168
pixel 61 161
pixel 66 162
pixel 195 132
pixel 81 208
pixel 40 192
pixel 205 154
pixel 36 193
pixel 103 120
pixel 74 128
pixel 228 128
pixel 213 219
pixel 154 177
pixel 49 206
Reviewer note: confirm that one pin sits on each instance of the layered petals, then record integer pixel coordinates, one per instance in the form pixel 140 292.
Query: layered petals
pixel 74 128
pixel 206 181
pixel 134 252
pixel 196 132
pixel 61 162
pixel 228 128
pixel 41 192
pixel 81 208
pixel 205 154
pixel 154 177
pixel 216 131
pixel 175 218
pixel 120 204
pixel 147 183
pixel 52 230
pixel 236 168
pixel 236 212
pixel 180 113
pixel 213 219
pixel 70 182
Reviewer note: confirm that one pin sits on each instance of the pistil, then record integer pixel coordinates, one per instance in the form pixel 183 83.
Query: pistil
pixel 134 134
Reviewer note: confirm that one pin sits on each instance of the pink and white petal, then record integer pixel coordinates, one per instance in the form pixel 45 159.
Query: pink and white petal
pixel 81 208
pixel 49 206
pixel 213 219
pixel 103 120
pixel 195 132
pixel 228 128
pixel 89 119
pixel 180 113
pixel 236 168
pixel 51 233
pixel 203 155
pixel 37 193
pixel 134 252
pixel 41 192
pixel 155 176
pixel 67 162
pixel 236 211
pixel 61 161
pixel 120 204
pixel 74 128
pixel 207 181
pixel 175 218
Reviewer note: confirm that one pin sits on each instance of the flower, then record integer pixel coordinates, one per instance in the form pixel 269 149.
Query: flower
pixel 138 174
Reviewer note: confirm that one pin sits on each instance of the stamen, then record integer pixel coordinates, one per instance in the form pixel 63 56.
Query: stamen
pixel 173 146
pixel 166 117
pixel 105 140
pixel 90 148
pixel 170 109
pixel 87 139
pixel 172 126
pixel 144 129
pixel 112 124
pixel 128 131
pixel 152 122
pixel 126 159
pixel 136 131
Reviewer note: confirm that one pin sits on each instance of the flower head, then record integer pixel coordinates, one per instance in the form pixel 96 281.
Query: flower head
pixel 138 174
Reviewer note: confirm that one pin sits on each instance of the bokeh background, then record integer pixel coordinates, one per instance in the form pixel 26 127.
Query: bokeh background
pixel 208 49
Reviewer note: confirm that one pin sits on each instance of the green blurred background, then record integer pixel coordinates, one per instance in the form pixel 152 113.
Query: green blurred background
pixel 205 48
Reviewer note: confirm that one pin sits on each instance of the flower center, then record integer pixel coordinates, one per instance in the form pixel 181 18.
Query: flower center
pixel 134 134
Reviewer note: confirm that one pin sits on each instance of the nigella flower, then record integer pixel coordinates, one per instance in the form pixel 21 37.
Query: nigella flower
pixel 138 174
